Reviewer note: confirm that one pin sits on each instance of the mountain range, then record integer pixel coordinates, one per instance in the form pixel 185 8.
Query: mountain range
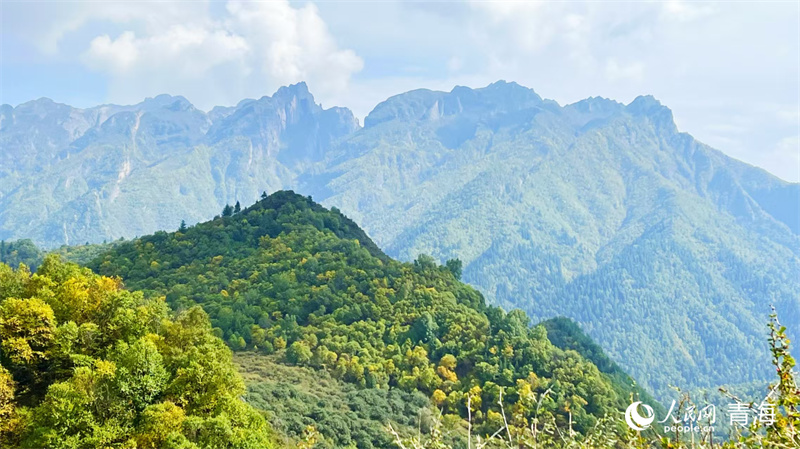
pixel 665 251
pixel 120 171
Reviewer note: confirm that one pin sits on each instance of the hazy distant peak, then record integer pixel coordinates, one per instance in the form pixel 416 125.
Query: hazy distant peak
pixel 645 104
pixel 220 112
pixel 596 104
pixel 428 105
pixel 289 125
pixel 164 98
pixel 38 101
pixel 165 101
pixel 243 102
pixel 648 106
pixel 503 87
pixel 42 104
pixel 287 93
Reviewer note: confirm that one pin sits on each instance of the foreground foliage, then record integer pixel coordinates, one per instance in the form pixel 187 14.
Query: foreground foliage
pixel 289 276
pixel 86 364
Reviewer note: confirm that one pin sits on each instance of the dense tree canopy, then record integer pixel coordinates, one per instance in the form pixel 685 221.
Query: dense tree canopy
pixel 287 274
pixel 86 364
pixel 13 253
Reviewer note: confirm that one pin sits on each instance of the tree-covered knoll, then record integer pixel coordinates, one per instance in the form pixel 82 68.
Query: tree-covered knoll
pixel 87 364
pixel 15 252
pixel 287 274
pixel 20 251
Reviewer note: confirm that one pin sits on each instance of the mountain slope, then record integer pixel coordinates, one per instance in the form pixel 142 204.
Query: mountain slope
pixel 598 211
pixel 286 273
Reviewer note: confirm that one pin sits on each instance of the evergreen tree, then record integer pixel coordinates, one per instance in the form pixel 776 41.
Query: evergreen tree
pixel 237 208
pixel 455 267
pixel 227 211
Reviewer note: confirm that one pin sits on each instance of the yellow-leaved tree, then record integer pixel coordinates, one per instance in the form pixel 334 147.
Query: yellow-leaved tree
pixel 87 364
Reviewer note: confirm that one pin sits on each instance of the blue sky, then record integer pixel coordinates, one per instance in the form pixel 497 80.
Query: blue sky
pixel 729 71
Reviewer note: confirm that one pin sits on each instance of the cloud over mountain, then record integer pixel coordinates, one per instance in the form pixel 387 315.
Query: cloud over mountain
pixel 210 52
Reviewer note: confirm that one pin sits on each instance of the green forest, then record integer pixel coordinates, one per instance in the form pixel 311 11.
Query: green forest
pixel 287 274
pixel 283 325
pixel 87 364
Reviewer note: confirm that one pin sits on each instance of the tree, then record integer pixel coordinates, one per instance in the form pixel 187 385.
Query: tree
pixel 237 208
pixel 424 329
pixel 6 398
pixel 227 211
pixel 160 423
pixel 26 331
pixel 85 364
pixel 448 361
pixel 182 228
pixel 140 373
pixel 454 265
pixel 298 353
pixel 425 262
pixel 236 342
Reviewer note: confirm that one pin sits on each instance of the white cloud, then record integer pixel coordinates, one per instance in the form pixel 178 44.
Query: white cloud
pixel 117 55
pixel 529 24
pixel 247 49
pixel 685 12
pixel 787 114
pixel 293 44
pixel 615 71
pixel 180 50
pixel 46 24
pixel 454 64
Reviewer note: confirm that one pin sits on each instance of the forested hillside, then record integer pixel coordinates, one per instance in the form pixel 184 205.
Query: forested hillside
pixel 287 276
pixel 598 211
pixel 665 251
pixel 86 364
pixel 15 252
pixel 340 346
